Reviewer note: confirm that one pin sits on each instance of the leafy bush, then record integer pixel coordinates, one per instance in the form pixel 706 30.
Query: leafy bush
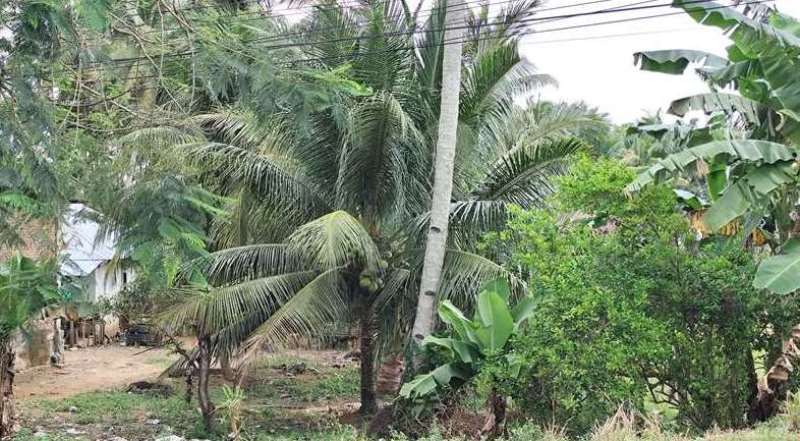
pixel 634 309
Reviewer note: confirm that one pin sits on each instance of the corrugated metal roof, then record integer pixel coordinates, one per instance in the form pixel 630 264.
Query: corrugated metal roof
pixel 83 249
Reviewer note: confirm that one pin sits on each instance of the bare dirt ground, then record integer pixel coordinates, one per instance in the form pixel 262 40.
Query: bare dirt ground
pixel 92 369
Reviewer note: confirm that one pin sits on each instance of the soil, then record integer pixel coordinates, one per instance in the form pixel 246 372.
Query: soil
pixel 92 369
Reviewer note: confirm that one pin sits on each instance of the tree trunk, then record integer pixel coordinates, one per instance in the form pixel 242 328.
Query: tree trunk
pixel 369 403
pixel 206 406
pixel 495 422
pixel 189 385
pixel 774 386
pixel 102 332
pixel 7 413
pixel 228 372
pixel 73 334
pixel 442 178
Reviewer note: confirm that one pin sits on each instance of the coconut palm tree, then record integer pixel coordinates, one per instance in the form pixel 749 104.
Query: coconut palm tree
pixel 332 205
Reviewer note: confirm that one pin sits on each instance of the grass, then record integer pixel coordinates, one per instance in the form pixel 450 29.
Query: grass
pixel 116 409
pixel 281 407
pixel 275 407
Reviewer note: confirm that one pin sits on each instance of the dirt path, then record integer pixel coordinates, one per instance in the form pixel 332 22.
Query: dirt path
pixel 91 369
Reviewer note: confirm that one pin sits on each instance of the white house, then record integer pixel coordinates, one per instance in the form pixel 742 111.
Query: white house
pixel 88 258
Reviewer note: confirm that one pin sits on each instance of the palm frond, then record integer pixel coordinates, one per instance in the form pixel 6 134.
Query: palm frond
pixel 374 176
pixel 161 137
pixel 505 26
pixel 522 176
pixel 465 273
pixel 269 181
pixel 335 240
pixel 246 262
pixel 318 303
pixel 394 310
pixel 218 308
pixel 495 79
pixel 272 138
pixel 469 219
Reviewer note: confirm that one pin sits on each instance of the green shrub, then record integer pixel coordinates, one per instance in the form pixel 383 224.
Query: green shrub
pixel 634 309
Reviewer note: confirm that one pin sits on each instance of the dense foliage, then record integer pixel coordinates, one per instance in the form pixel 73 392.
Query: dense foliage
pixel 634 309
pixel 270 179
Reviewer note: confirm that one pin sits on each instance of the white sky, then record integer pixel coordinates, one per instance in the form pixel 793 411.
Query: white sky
pixel 600 71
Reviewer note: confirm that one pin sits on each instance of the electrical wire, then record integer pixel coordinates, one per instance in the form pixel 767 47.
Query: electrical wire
pixel 443 43
pixel 354 39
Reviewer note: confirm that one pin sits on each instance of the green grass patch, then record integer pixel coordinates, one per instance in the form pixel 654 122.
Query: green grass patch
pixel 117 408
pixel 330 385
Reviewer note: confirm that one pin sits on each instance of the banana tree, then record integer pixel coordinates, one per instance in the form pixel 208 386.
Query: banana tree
pixel 471 344
pixel 755 169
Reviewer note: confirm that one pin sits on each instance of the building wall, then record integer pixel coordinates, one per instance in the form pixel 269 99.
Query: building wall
pixel 34 345
pixel 106 282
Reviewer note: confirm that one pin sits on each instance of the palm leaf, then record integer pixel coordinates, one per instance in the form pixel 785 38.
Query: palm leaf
pixel 247 262
pixel 161 137
pixel 321 301
pixel 244 129
pixel 267 180
pixel 521 176
pixel 494 79
pixel 464 274
pixel 335 240
pixel 219 308
pixel 373 168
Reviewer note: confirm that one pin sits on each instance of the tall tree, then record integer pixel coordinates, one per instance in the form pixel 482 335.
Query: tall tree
pixel 328 165
pixel 444 162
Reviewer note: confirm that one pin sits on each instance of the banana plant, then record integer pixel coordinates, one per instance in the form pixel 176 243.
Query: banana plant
pixel 472 342
pixel 756 176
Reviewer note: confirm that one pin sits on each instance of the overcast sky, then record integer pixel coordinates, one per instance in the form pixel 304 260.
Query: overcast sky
pixel 598 68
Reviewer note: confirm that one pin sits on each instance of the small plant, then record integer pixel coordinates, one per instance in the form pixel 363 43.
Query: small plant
pixel 791 411
pixel 230 410
pixel 473 343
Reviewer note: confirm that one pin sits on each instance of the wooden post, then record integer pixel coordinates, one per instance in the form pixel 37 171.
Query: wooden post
pixel 102 332
pixel 58 344
pixel 73 334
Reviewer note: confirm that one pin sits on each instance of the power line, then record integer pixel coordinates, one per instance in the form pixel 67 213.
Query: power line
pixel 350 3
pixel 410 48
pixel 542 19
pixel 415 47
pixel 350 56
pixel 573 27
pixel 263 14
pixel 620 9
pixel 606 36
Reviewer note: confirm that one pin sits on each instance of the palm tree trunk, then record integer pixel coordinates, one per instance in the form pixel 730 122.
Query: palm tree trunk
pixel 443 176
pixel 7 414
pixel 369 403
pixel 204 357
pixel 774 387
